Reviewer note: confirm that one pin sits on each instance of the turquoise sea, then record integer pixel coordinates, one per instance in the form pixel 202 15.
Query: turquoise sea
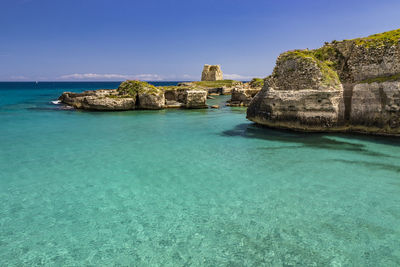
pixel 187 188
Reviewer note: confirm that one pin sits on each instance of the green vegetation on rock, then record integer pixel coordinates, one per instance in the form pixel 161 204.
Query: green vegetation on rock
pixel 256 82
pixel 118 96
pixel 320 58
pixel 378 40
pixel 132 88
pixel 216 84
pixel 170 87
pixel 392 78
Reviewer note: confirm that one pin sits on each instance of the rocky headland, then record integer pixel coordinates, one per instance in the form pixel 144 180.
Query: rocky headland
pixel 344 86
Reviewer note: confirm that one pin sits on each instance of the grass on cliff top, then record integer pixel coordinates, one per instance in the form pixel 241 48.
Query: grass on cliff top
pixel 392 78
pixel 320 57
pixel 132 88
pixel 379 39
pixel 118 96
pixel 256 82
pixel 173 87
pixel 216 84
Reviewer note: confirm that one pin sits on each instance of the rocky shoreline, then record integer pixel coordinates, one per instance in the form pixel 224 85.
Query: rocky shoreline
pixel 347 86
pixel 133 95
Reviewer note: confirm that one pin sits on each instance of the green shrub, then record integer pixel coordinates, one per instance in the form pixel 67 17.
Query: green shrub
pixel 132 88
pixel 392 78
pixel 256 82
pixel 330 76
pixel 379 39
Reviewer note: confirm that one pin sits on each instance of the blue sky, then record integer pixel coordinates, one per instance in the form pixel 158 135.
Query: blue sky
pixel 172 39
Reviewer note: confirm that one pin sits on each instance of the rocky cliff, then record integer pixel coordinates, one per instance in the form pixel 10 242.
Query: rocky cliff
pixel 211 73
pixel 351 85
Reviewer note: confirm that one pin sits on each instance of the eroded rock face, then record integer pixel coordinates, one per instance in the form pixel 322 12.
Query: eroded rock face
pixel 195 99
pixel 302 98
pixel 243 94
pixel 151 101
pixel 91 100
pixel 376 105
pixel 106 103
pixel 351 85
pixel 211 73
pixel 98 100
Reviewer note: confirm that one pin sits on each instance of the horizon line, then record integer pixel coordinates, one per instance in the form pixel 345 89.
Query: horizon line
pixel 33 81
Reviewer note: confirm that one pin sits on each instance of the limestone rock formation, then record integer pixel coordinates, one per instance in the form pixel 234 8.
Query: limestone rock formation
pixel 98 100
pixel 132 95
pixel 195 99
pixel 211 73
pixel 151 101
pixel 352 85
pixel 221 87
pixel 243 94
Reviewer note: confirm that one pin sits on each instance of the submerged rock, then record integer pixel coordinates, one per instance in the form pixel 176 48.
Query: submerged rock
pixel 352 85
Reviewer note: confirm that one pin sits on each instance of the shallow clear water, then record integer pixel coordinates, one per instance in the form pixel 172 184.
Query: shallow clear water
pixel 187 187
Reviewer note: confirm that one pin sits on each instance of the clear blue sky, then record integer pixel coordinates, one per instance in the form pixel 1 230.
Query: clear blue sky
pixel 171 40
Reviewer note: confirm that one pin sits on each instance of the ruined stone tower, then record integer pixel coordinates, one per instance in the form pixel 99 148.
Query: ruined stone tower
pixel 211 73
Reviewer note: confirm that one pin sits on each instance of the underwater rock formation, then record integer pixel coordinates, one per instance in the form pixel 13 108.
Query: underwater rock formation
pixel 351 85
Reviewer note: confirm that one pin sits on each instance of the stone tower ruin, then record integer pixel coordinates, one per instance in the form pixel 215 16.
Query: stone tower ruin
pixel 211 73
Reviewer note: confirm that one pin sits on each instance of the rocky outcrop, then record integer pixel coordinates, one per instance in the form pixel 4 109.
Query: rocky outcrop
pixel 136 95
pixel 98 100
pixel 195 99
pixel 376 105
pixel 211 73
pixel 352 85
pixel 222 87
pixel 151 101
pixel 243 94
pixel 186 97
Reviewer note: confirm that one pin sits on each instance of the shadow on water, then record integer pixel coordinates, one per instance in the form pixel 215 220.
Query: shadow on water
pixel 371 165
pixel 312 140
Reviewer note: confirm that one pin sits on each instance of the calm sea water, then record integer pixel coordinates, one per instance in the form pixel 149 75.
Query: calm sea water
pixel 187 187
